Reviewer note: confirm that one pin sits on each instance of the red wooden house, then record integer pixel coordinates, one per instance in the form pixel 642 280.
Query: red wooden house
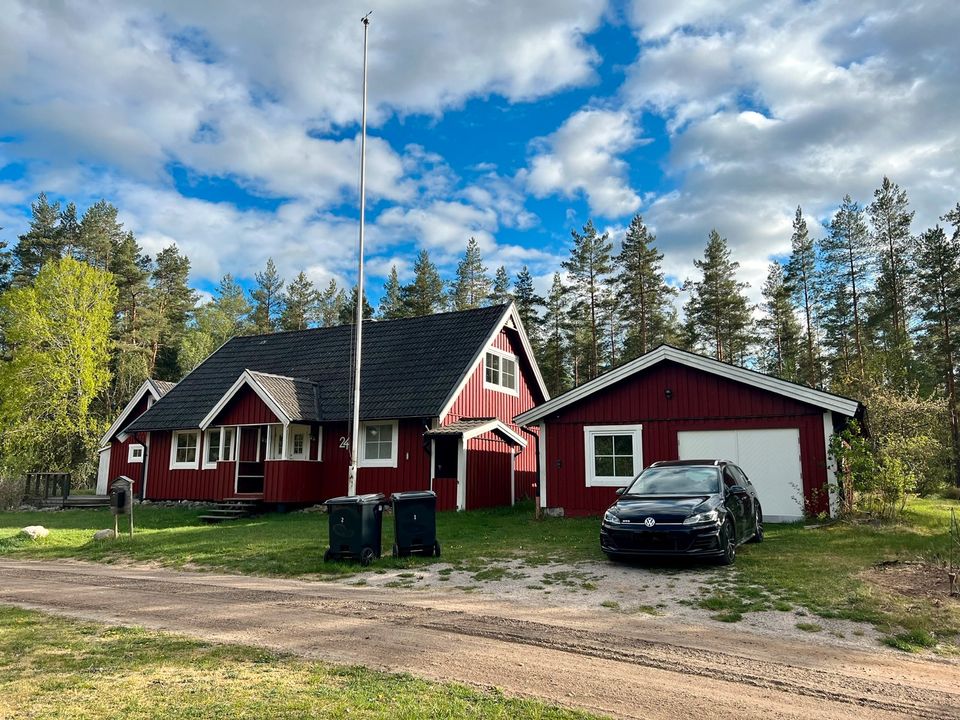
pixel 266 417
pixel 670 404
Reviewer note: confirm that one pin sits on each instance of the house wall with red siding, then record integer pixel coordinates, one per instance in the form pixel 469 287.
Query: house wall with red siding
pixel 297 481
pixel 245 408
pixel 166 484
pixel 700 401
pixel 488 472
pixel 119 451
pixel 477 401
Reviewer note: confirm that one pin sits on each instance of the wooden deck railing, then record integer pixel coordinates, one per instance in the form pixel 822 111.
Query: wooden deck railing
pixel 47 485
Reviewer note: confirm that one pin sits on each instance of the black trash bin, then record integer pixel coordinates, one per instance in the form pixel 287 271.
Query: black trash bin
pixel 355 523
pixel 415 523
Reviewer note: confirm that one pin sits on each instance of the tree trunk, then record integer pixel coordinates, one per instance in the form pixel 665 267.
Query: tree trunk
pixel 856 312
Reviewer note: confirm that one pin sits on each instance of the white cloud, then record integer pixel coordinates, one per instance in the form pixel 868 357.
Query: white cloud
pixel 773 105
pixel 583 156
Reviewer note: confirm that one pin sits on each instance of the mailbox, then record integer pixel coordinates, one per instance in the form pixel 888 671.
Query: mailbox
pixel 121 495
pixel 121 502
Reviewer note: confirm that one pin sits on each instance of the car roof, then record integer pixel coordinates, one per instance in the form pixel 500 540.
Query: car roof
pixel 695 463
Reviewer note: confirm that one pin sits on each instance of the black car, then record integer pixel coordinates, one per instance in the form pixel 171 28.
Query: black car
pixel 702 508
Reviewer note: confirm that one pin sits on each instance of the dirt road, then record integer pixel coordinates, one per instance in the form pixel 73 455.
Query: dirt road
pixel 655 669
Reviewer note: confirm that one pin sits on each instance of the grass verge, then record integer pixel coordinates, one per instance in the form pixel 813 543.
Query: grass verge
pixel 51 667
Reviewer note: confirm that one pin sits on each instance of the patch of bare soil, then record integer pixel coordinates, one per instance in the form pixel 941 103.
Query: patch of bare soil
pixel 925 580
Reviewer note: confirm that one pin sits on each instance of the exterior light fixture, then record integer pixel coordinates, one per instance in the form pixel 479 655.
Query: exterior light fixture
pixel 668 393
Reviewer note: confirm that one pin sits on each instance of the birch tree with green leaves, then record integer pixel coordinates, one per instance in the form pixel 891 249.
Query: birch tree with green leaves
pixel 58 334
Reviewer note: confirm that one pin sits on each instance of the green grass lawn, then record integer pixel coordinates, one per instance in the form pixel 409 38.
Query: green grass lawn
pixel 818 569
pixel 56 668
pixel 292 544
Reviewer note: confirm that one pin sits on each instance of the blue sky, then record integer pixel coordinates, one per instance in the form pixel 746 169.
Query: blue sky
pixel 231 129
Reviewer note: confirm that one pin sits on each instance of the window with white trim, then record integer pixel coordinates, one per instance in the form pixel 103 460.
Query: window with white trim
pixel 613 454
pixel 218 444
pixel 500 371
pixel 183 449
pixel 378 444
pixel 134 453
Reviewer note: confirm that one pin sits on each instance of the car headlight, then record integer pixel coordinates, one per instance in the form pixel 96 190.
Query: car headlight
pixel 707 517
pixel 610 518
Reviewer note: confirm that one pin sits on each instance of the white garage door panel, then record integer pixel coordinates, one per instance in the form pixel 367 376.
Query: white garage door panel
pixel 770 458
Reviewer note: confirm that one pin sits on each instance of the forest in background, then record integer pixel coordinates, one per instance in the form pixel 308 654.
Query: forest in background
pixel 864 306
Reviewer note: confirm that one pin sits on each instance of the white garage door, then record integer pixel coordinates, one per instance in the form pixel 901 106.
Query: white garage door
pixel 770 458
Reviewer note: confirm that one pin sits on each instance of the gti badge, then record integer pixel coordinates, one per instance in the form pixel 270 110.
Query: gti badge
pixel 649 522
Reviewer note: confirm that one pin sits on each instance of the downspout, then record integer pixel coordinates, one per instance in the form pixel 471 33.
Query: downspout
pixel 536 442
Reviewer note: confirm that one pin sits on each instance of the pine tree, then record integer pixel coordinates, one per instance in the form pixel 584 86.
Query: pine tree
pixel 215 322
pixel 527 301
pixel 937 295
pixel 172 300
pixel 780 352
pixel 644 294
pixel 471 286
pixel 838 337
pixel 131 363
pixel 501 295
pixel 6 264
pixel 330 305
pixel 42 242
pixel 267 299
pixel 554 353
pixel 69 230
pixel 802 277
pixel 299 303
pixel 891 218
pixel 589 265
pixel 847 257
pixel 718 311
pixel 231 302
pixel 348 307
pixel 391 302
pixel 99 234
pixel 424 296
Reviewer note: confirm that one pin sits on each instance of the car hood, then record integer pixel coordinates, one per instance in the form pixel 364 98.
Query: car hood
pixel 662 509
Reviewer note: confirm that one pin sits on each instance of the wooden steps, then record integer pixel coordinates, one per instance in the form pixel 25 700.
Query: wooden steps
pixel 230 510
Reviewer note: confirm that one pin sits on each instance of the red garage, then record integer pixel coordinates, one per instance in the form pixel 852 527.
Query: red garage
pixel 670 404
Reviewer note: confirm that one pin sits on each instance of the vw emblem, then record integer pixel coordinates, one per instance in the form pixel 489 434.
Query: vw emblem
pixel 649 522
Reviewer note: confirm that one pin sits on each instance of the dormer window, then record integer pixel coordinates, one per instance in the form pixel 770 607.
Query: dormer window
pixel 500 371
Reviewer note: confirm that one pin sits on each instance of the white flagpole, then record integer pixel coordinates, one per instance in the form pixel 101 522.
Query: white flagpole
pixel 358 327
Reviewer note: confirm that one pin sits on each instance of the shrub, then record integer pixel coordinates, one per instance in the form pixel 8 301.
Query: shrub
pixel 951 493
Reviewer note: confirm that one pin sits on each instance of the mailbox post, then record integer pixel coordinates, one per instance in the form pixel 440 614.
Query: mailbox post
pixel 121 502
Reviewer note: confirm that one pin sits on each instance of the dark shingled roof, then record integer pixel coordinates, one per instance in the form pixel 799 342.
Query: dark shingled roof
pixel 298 398
pixel 162 386
pixel 410 367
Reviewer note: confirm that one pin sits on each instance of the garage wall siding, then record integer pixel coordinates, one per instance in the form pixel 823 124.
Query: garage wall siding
pixel 700 401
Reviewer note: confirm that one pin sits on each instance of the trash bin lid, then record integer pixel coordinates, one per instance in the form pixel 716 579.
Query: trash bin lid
pixel 413 495
pixel 368 499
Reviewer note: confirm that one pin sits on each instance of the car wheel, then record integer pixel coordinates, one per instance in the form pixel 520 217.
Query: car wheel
pixel 758 527
pixel 366 556
pixel 728 544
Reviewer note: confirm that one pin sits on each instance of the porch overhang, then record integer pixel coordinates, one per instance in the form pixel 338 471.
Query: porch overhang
pixel 469 428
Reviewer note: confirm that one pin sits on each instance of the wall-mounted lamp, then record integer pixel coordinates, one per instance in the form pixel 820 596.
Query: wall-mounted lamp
pixel 668 393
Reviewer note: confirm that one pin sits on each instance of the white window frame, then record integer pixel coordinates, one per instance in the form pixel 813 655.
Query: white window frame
pixel 221 455
pixel 362 445
pixel 276 432
pixel 590 432
pixel 503 355
pixel 132 457
pixel 174 465
pixel 305 431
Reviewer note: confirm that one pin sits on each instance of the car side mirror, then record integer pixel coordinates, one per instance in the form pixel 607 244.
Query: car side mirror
pixel 621 491
pixel 737 490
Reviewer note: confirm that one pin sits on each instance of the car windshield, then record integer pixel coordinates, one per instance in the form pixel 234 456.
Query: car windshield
pixel 676 480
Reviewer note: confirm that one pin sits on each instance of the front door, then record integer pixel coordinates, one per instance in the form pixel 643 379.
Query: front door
pixel 251 451
pixel 446 465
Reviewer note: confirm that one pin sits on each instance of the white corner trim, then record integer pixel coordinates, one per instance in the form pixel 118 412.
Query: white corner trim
pixel 390 462
pixel 245 379
pixel 508 314
pixel 145 387
pixel 817 398
pixel 174 465
pixel 542 478
pixel 589 431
